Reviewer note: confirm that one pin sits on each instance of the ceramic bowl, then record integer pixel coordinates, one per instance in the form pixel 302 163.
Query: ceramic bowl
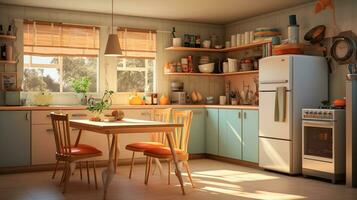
pixel 206 68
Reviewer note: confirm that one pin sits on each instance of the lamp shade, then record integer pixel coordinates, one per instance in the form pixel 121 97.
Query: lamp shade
pixel 113 46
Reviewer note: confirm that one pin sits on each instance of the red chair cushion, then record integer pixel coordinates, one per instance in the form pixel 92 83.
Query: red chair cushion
pixel 142 146
pixel 84 149
pixel 163 151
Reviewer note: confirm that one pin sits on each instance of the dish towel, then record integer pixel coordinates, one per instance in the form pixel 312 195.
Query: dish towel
pixel 280 104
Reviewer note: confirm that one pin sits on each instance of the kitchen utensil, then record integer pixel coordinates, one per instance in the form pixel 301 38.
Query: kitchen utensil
pixel 316 34
pixel 206 68
pixel 222 100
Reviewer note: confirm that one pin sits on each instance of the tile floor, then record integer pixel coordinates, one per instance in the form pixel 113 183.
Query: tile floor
pixel 214 180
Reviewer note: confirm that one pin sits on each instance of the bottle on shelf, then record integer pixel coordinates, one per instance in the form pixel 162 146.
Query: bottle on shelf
pixel 9 30
pixel 3 52
pixel 1 30
pixel 198 41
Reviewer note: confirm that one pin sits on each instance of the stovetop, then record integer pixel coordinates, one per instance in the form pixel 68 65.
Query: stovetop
pixel 321 114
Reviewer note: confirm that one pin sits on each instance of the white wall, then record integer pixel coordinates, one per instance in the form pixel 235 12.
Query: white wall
pixel 208 86
pixel 346 17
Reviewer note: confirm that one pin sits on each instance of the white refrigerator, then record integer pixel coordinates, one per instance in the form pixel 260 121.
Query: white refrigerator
pixel 305 82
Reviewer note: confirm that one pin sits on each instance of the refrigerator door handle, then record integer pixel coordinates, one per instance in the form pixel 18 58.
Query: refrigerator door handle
pixel 274 82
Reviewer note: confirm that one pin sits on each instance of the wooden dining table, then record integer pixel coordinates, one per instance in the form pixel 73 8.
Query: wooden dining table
pixel 126 126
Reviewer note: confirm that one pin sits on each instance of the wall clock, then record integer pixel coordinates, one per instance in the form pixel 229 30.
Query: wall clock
pixel 344 48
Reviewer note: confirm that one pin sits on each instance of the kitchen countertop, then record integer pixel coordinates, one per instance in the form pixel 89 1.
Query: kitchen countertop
pixel 80 107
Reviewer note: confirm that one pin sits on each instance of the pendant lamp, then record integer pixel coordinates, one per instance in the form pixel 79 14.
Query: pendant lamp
pixel 113 46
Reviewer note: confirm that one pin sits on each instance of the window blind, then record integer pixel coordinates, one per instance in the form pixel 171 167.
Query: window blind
pixel 137 43
pixel 47 38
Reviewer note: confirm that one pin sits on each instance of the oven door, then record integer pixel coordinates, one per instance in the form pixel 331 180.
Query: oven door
pixel 318 140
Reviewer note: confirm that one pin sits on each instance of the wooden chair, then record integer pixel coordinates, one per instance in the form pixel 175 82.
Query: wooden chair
pixel 181 137
pixel 157 139
pixel 68 153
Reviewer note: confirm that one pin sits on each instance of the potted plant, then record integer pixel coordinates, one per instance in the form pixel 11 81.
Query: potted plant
pixel 81 87
pixel 98 107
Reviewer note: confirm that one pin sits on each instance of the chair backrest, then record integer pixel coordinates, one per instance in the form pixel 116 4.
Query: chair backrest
pixel 182 134
pixel 161 115
pixel 60 124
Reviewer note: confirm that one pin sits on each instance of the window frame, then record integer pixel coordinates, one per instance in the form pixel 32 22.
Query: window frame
pixel 59 66
pixel 146 60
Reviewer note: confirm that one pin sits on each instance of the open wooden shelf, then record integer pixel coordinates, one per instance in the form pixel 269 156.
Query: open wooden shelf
pixel 225 50
pixel 7 37
pixel 7 61
pixel 212 74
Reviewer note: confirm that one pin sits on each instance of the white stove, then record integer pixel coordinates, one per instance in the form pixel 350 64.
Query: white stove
pixel 323 143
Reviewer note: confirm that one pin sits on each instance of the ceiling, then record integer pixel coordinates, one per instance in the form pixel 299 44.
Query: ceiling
pixel 205 11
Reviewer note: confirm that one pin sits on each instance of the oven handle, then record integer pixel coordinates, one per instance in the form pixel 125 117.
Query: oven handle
pixel 318 124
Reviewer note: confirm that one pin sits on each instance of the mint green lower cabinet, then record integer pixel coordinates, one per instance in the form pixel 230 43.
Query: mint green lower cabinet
pixel 212 131
pixel 196 143
pixel 15 138
pixel 250 135
pixel 230 133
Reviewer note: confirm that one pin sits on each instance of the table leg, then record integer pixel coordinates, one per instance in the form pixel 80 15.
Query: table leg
pixel 108 174
pixel 177 166
pixel 116 155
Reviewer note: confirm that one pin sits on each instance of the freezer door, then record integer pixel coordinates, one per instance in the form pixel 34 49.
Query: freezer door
pixel 267 126
pixel 275 154
pixel 275 71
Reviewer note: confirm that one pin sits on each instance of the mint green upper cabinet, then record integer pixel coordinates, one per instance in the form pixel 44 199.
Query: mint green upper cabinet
pixel 15 138
pixel 212 131
pixel 230 133
pixel 250 135
pixel 196 143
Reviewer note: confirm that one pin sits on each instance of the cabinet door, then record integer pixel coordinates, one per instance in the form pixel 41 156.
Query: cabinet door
pixel 212 131
pixel 250 135
pixel 196 142
pixel 15 147
pixel 230 134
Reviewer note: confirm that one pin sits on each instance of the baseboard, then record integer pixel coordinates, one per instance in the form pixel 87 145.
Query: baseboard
pixel 122 162
pixel 233 161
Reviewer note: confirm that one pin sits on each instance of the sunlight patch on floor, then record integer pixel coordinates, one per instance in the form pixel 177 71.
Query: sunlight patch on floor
pixel 232 176
pixel 261 195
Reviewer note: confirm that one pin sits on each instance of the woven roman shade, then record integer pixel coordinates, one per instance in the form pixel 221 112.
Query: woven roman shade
pixel 58 39
pixel 137 43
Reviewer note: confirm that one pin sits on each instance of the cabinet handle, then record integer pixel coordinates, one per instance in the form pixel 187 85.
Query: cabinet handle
pixel 79 115
pixel 245 115
pixel 49 130
pixel 239 115
pixel 27 116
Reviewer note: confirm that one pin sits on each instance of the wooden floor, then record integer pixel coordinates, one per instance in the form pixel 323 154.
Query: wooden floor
pixel 214 180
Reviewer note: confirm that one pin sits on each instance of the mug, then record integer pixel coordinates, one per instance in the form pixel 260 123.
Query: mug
pixel 222 100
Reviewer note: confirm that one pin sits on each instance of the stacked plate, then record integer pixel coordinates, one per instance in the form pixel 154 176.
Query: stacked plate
pixel 203 60
pixel 265 33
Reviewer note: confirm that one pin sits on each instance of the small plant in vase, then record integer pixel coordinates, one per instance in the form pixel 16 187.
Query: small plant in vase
pixel 98 108
pixel 81 86
pixel 234 97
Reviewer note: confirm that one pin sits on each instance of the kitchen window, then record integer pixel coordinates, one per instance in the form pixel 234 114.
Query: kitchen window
pixel 137 66
pixel 56 53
